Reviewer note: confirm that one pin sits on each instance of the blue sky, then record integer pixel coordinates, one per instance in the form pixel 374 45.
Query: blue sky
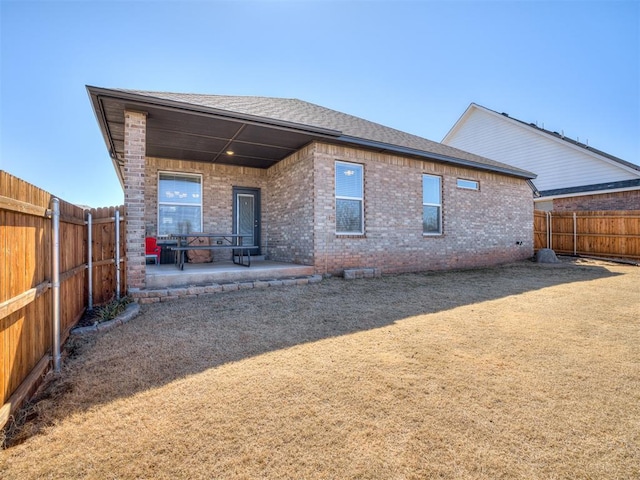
pixel 411 65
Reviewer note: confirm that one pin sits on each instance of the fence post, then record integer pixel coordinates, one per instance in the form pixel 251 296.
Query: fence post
pixel 117 229
pixel 575 235
pixel 90 258
pixel 55 281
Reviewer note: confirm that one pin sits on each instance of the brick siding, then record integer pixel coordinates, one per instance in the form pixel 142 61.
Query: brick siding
pixel 629 200
pixel 290 214
pixel 217 194
pixel 479 227
pixel 135 125
pixel 489 226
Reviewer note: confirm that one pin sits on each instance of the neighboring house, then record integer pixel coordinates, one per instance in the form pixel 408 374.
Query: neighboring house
pixel 315 186
pixel 570 175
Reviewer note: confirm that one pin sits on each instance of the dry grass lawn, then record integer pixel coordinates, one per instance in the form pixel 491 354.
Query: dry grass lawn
pixel 522 371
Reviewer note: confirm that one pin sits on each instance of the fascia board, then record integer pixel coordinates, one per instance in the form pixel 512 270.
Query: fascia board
pixel 101 119
pixel 138 101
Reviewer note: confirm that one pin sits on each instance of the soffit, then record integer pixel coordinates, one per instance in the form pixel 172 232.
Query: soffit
pixel 180 133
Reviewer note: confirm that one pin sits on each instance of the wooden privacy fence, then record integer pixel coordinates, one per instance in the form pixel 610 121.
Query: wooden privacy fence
pixel 610 234
pixel 32 295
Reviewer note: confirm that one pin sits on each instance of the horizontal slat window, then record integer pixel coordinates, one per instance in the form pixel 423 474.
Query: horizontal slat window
pixel 468 184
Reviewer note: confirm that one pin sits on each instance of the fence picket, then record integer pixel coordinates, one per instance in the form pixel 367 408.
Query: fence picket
pixel 613 234
pixel 25 276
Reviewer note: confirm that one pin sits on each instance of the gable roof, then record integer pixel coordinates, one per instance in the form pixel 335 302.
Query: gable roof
pixel 560 137
pixel 565 166
pixel 260 130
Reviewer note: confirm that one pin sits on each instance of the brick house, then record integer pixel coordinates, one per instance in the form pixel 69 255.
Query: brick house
pixel 570 175
pixel 318 187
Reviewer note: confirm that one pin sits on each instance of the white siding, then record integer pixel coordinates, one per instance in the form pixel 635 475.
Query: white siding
pixel 557 165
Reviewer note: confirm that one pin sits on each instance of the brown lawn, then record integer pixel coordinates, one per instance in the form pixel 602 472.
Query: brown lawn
pixel 521 371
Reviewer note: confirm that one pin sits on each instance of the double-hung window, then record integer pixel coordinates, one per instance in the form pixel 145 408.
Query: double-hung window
pixel 431 205
pixel 349 199
pixel 179 203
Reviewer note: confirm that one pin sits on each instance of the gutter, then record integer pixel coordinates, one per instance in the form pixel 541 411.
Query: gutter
pixel 149 102
pixel 385 147
pixel 161 103
pixel 101 118
pixel 587 192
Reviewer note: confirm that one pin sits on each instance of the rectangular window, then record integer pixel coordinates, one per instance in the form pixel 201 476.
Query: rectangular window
pixel 179 203
pixel 431 205
pixel 468 184
pixel 349 199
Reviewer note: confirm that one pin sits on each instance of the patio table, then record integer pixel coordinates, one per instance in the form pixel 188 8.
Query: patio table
pixel 232 241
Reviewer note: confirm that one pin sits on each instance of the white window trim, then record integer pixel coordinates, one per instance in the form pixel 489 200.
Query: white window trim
pixel 341 197
pixel 439 233
pixel 476 182
pixel 179 174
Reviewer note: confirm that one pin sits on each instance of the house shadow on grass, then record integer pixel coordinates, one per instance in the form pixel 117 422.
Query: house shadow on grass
pixel 173 340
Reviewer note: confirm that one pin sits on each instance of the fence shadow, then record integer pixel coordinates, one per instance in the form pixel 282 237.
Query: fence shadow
pixel 173 340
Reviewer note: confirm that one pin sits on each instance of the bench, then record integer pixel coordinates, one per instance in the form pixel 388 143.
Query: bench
pixel 227 241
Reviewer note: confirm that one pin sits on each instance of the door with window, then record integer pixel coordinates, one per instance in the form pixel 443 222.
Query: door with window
pixel 246 216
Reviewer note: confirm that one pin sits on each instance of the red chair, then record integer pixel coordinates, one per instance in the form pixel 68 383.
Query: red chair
pixel 152 250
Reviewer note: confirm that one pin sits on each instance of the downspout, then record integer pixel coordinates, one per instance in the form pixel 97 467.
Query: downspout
pixel 55 281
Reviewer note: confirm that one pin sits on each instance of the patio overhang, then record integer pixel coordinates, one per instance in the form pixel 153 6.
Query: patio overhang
pixel 185 127
pixel 182 131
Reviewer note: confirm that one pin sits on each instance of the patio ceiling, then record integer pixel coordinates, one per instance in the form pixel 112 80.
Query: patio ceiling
pixel 256 131
pixel 182 131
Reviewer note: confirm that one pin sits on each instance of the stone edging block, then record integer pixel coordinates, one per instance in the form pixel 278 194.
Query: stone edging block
pixel 132 311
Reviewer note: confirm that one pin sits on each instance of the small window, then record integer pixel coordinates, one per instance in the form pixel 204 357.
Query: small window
pixel 468 184
pixel 349 199
pixel 179 203
pixel 431 205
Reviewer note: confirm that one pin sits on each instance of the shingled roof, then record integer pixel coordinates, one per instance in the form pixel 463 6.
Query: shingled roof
pixel 296 116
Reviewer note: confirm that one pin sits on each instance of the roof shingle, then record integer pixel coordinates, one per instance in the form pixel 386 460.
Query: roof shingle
pixel 308 114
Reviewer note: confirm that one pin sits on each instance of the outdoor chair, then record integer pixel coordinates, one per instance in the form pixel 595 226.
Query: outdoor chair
pixel 152 250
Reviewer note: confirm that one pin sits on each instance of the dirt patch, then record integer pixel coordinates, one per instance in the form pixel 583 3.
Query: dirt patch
pixel 520 371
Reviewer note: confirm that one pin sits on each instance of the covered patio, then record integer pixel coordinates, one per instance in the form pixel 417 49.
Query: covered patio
pixel 166 276
pixel 301 184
